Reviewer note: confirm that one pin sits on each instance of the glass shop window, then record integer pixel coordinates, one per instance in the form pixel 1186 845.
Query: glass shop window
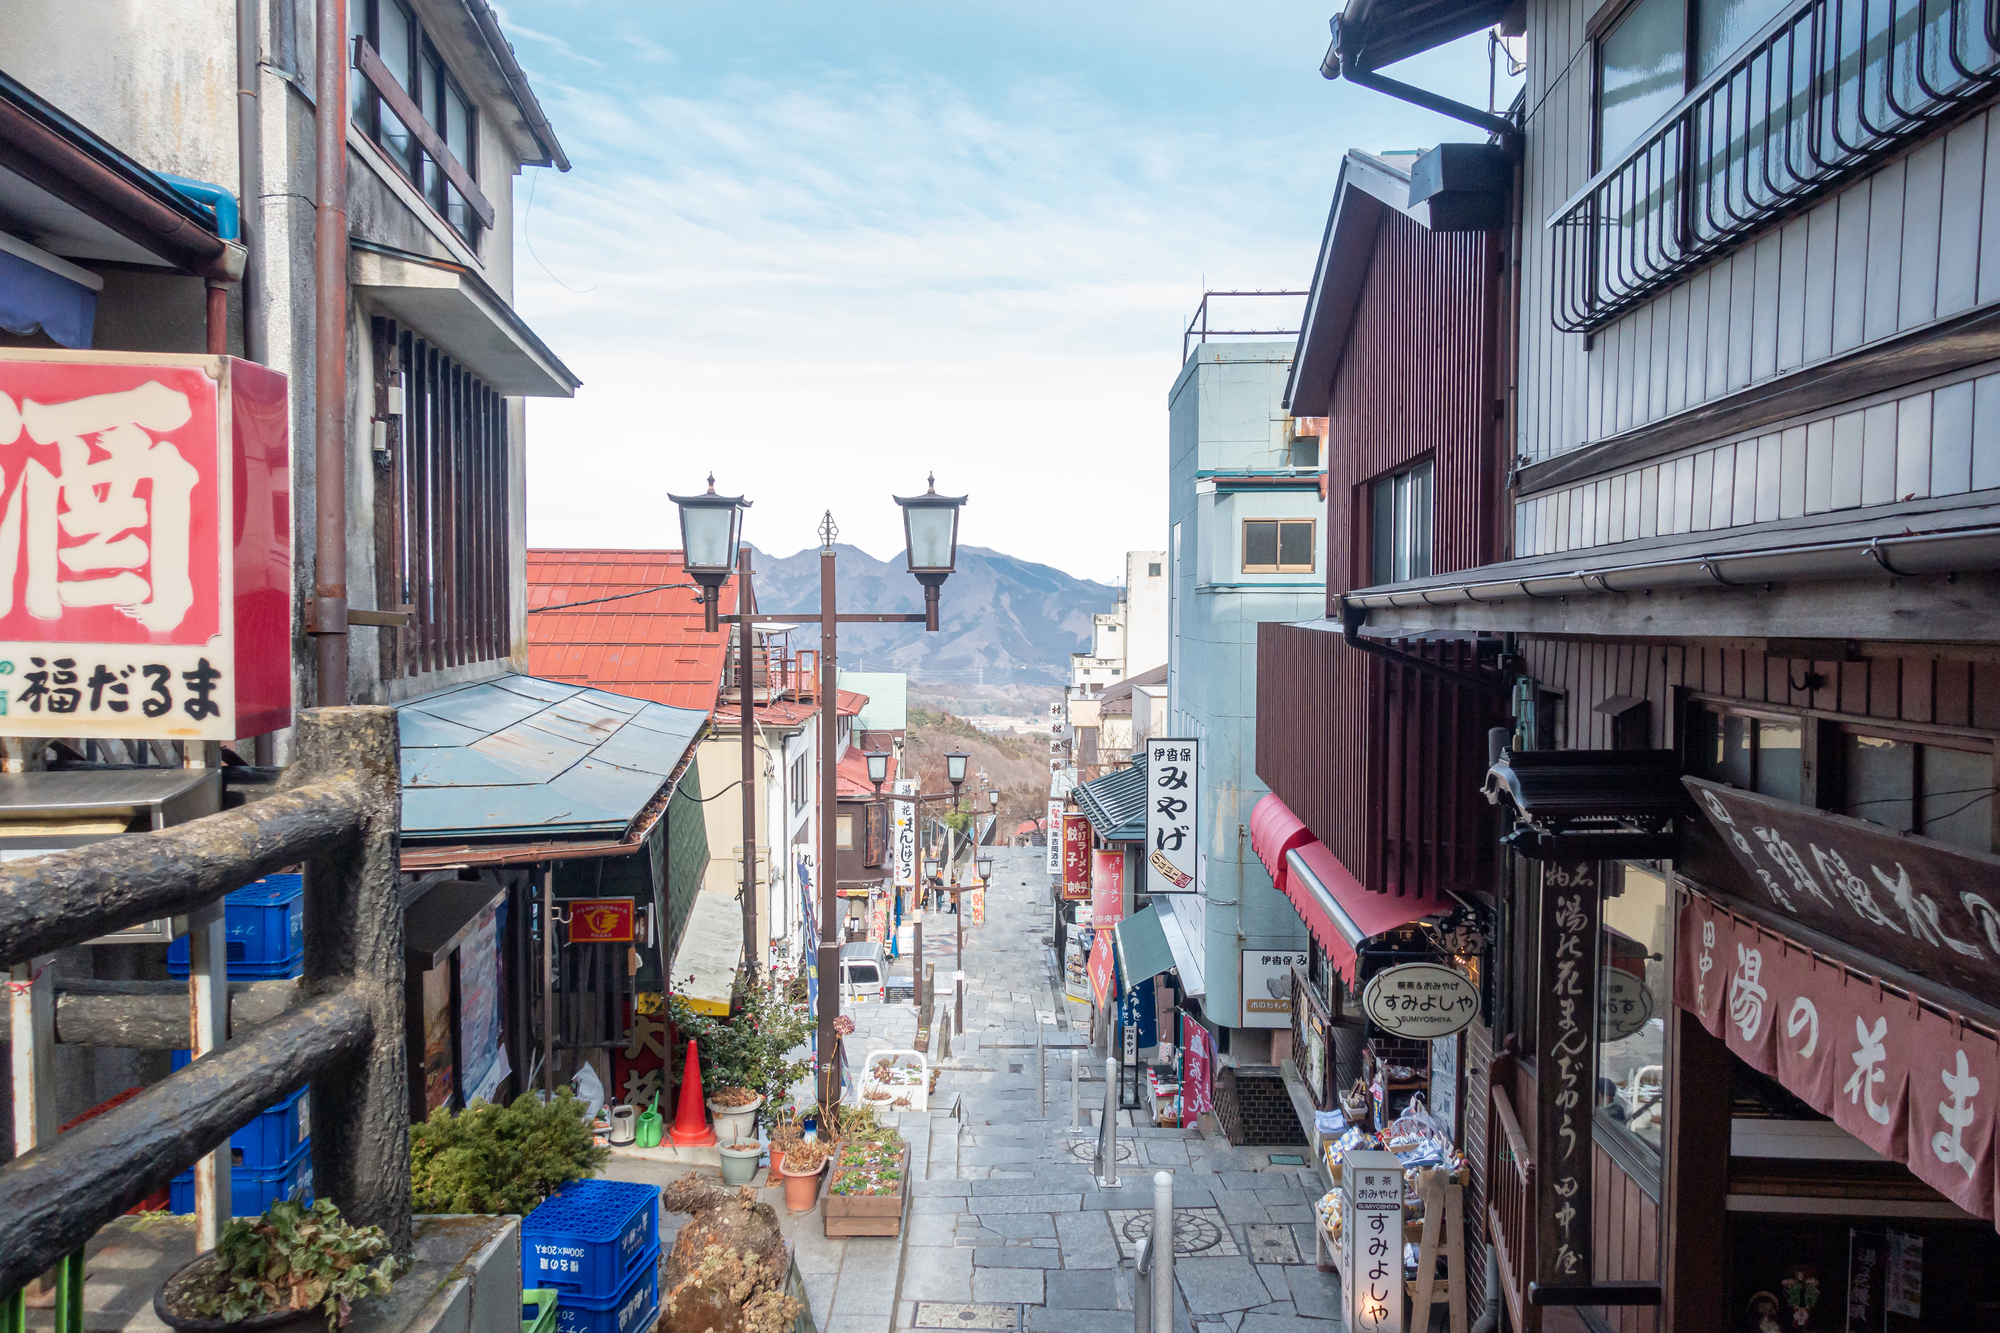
pixel 1941 791
pixel 1757 752
pixel 1634 989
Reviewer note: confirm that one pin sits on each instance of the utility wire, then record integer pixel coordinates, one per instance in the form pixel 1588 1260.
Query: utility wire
pixel 614 597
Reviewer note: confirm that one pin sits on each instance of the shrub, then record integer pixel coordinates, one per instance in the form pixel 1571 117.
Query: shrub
pixel 295 1257
pixel 501 1159
pixel 752 1047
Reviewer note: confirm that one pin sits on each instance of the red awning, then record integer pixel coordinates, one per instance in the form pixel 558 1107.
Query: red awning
pixel 1275 830
pixel 1340 912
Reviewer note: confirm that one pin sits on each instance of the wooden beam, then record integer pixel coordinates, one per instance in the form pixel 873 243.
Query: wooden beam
pixel 370 64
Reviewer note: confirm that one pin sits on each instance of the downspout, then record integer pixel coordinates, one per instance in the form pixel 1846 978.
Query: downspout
pixel 326 618
pixel 1352 618
pixel 1338 65
pixel 250 176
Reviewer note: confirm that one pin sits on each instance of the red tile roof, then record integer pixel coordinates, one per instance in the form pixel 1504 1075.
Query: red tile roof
pixel 640 634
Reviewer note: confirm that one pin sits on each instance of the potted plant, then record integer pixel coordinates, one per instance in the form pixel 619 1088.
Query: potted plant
pixel 745 1058
pixel 501 1159
pixel 297 1262
pixel 803 1161
pixel 868 1182
pixel 785 1132
pixel 739 1160
pixel 734 1110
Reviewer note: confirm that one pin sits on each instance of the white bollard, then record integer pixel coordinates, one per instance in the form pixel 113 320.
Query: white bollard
pixel 1142 1287
pixel 1162 1276
pixel 1041 1071
pixel 1076 1091
pixel 1107 1134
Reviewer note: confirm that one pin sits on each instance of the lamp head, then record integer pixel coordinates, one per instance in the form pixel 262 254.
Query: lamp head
pixel 985 863
pixel 930 541
pixel 878 767
pixel 954 767
pixel 711 525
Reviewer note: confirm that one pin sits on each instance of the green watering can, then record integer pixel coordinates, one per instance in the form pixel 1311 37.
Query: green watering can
pixel 646 1132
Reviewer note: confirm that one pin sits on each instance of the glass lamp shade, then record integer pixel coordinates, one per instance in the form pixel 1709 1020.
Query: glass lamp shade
pixel 985 867
pixel 930 530
pixel 709 527
pixel 993 799
pixel 930 867
pixel 878 767
pixel 954 766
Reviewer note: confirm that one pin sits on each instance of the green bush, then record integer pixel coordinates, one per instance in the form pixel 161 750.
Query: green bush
pixel 501 1159
pixel 296 1257
pixel 751 1048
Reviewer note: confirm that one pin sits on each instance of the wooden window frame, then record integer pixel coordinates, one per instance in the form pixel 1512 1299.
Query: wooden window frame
pixel 409 106
pixel 1280 568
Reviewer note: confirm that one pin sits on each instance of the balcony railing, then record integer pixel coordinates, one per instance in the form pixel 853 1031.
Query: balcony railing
pixel 1829 89
pixel 339 812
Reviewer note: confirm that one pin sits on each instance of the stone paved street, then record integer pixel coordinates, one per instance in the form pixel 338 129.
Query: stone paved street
pixel 1007 1227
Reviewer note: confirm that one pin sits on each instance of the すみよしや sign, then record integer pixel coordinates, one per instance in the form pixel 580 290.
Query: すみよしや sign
pixel 145 546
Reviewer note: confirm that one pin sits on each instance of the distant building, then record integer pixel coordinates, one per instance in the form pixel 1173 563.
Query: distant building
pixel 1132 636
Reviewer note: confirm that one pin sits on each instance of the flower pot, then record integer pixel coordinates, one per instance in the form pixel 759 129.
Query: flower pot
pixel 802 1189
pixel 735 1122
pixel 170 1304
pixel 739 1161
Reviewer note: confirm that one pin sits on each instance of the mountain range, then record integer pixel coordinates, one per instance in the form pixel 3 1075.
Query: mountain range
pixel 1003 620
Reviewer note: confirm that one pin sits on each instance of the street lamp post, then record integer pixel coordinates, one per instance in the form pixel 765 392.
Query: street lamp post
pixel 710 525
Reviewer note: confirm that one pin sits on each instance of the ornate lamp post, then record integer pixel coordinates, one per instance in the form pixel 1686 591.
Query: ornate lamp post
pixel 710 525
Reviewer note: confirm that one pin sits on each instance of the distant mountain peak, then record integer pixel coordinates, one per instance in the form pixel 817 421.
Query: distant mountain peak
pixel 1005 620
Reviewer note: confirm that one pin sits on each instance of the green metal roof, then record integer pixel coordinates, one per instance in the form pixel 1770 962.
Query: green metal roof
pixel 1116 802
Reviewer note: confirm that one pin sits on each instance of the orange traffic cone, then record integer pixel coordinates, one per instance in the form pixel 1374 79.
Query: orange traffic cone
pixel 691 1120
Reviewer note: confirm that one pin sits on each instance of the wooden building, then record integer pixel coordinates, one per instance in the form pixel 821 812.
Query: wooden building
pixel 1732 568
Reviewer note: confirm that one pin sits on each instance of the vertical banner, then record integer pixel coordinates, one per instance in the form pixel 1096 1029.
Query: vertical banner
pixel 437 1038
pixel 1053 837
pixel 1371 1198
pixel 1173 814
pixel 1566 1049
pixel 1197 1070
pixel 905 837
pixel 1076 857
pixel 1100 967
pixel 479 1011
pixel 1107 888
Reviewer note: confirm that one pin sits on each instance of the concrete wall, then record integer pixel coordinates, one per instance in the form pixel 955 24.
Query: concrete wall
pixel 1224 415
pixel 1145 611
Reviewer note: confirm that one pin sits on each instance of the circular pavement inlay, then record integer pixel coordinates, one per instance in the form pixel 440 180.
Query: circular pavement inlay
pixel 1085 1150
pixel 1193 1233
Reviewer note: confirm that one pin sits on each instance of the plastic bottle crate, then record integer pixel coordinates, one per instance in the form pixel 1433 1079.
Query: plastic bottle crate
pixel 279 1130
pixel 588 1237
pixel 252 1191
pixel 632 1310
pixel 266 926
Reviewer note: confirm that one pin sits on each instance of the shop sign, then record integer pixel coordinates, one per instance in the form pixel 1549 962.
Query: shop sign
pixel 1197 1070
pixel 1421 1001
pixel 1371 1197
pixel 1920 904
pixel 1566 1046
pixel 1916 1086
pixel 1267 987
pixel 600 921
pixel 1052 837
pixel 1076 857
pixel 145 546
pixel 905 835
pixel 479 1010
pixel 1101 967
pixel 1316 1056
pixel 1107 888
pixel 1624 1004
pixel 1173 814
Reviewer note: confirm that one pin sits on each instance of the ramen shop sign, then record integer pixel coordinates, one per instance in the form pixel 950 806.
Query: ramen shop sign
pixel 145 546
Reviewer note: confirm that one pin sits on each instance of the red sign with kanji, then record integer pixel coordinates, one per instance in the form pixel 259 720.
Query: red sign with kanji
pixel 1101 967
pixel 145 546
pixel 1076 857
pixel 600 921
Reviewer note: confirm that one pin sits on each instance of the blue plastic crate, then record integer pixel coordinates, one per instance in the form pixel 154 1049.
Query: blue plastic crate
pixel 252 1191
pixel 632 1310
pixel 279 1130
pixel 266 925
pixel 588 1237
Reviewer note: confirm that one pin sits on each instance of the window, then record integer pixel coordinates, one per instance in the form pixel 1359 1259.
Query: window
pixel 843 832
pixel 1278 546
pixel 1756 752
pixel 1400 526
pixel 1911 786
pixel 799 784
pixel 1153 570
pixel 1634 989
pixel 449 121
pixel 441 518
pixel 1643 65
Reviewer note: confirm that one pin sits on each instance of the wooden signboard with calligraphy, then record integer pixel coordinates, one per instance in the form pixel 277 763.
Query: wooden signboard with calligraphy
pixel 1925 906
pixel 1566 1069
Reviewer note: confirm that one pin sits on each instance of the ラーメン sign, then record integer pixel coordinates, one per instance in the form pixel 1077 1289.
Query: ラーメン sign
pixel 145 546
pixel 1420 1000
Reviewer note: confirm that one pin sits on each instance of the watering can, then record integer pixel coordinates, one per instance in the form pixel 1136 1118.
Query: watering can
pixel 624 1125
pixel 647 1129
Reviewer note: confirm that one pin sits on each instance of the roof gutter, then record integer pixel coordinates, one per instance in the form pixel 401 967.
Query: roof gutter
pixel 1900 555
pixel 1352 618
pixel 1339 63
pixel 517 79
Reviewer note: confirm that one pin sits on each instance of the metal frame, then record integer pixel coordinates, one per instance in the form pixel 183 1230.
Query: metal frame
pixel 1192 335
pixel 1826 91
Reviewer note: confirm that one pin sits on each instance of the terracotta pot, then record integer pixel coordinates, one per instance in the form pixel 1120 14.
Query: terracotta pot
pixel 167 1304
pixel 802 1189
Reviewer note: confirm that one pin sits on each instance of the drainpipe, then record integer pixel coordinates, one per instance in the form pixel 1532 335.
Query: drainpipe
pixel 1338 64
pixel 1352 618
pixel 250 176
pixel 326 617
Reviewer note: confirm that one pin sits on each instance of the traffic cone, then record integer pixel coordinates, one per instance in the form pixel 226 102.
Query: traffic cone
pixel 691 1120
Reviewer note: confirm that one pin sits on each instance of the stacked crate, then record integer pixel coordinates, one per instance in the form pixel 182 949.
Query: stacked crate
pixel 597 1243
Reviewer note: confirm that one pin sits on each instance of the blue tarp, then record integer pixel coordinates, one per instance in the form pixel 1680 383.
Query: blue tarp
pixel 32 298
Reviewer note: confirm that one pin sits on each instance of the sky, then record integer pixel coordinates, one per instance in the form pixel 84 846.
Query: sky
pixel 827 250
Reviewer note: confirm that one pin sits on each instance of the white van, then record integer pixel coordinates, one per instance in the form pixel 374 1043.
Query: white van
pixel 863 968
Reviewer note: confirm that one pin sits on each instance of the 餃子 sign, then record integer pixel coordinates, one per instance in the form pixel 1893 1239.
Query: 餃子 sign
pixel 145 546
pixel 1173 814
pixel 1420 1000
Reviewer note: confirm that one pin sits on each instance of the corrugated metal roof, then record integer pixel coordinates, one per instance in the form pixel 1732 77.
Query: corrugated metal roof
pixel 1116 802
pixel 638 630
pixel 520 757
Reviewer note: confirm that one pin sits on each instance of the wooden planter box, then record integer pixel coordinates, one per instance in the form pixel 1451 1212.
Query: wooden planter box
pixel 864 1214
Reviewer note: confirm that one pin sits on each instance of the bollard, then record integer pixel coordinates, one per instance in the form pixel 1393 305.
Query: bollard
pixel 1041 1071
pixel 1162 1283
pixel 1107 1133
pixel 1075 1091
pixel 1142 1287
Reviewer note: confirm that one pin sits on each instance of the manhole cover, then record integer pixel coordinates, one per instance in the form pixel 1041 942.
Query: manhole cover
pixel 1085 1150
pixel 1272 1243
pixel 987 1318
pixel 1197 1231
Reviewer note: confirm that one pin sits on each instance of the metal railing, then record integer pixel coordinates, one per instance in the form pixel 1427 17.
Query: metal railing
pixel 338 812
pixel 1510 1207
pixel 1829 89
pixel 1198 330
